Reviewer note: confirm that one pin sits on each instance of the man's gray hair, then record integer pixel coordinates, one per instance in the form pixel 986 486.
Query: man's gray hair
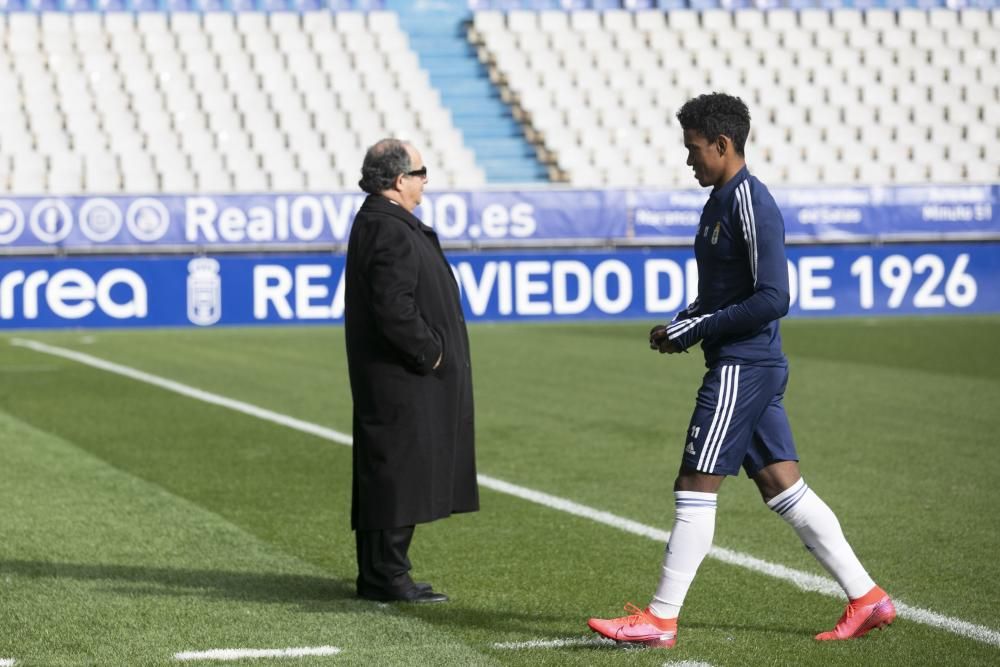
pixel 384 161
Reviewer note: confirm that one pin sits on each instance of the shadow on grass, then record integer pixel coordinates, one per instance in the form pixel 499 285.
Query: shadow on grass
pixel 458 613
pixel 311 593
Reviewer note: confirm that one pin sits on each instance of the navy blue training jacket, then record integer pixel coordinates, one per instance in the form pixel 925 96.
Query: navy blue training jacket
pixel 742 278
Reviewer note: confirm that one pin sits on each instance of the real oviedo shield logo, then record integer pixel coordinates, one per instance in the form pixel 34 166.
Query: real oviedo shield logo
pixel 204 291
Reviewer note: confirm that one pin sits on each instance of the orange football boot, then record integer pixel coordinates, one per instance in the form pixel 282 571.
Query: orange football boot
pixel 872 610
pixel 639 627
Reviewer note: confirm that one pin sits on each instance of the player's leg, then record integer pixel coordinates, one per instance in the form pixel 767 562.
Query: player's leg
pixel 695 501
pixel 690 541
pixel 816 525
pixel 772 464
pixel 719 433
pixel 721 429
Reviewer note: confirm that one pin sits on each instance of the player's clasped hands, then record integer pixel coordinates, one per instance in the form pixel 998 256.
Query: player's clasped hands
pixel 658 340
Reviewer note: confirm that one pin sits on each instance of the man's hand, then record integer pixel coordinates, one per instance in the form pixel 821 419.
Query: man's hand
pixel 658 340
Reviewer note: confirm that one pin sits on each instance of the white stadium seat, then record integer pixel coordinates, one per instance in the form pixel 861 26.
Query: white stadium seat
pixel 253 75
pixel 278 99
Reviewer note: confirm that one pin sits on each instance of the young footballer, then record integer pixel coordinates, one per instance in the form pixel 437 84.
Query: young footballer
pixel 739 419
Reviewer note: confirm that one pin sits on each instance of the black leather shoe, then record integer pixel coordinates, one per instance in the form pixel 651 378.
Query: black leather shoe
pixel 422 586
pixel 415 594
pixel 427 596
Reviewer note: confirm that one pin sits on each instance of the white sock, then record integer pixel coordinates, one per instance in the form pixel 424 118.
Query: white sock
pixel 820 532
pixel 690 541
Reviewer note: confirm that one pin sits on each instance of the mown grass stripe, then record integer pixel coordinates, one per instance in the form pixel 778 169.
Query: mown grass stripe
pixel 223 654
pixel 802 580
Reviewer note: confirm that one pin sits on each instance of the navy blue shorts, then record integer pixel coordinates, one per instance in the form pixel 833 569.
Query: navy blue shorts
pixel 739 420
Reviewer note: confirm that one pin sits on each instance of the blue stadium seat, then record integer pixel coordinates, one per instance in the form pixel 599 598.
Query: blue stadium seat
pixel 638 5
pixel 179 6
pixel 108 5
pixel 505 5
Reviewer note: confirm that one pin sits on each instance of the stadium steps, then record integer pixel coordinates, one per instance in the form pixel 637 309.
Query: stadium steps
pixel 484 119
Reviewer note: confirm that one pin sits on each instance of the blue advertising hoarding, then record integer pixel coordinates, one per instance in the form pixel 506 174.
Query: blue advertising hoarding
pixel 483 218
pixel 235 289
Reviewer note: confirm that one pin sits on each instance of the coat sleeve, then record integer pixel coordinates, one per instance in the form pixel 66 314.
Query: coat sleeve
pixel 392 273
pixel 764 236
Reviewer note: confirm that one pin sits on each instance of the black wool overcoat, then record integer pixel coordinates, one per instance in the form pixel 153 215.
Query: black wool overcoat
pixel 414 443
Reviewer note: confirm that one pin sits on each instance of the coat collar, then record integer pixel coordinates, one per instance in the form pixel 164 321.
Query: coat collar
pixel 379 204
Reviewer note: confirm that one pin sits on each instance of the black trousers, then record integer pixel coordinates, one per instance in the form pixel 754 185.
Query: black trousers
pixel 383 566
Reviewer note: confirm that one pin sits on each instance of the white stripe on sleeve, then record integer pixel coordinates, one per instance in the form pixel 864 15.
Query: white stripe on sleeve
pixel 745 204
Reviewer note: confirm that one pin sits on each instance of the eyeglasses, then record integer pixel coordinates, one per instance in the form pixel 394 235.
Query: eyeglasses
pixel 422 172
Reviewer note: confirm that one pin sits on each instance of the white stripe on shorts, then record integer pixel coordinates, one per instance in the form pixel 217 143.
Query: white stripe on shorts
pixel 720 421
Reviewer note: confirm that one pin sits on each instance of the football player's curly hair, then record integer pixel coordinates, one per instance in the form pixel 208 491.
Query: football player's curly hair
pixel 716 114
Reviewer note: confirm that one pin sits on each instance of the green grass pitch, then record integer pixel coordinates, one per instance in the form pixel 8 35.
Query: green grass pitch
pixel 136 523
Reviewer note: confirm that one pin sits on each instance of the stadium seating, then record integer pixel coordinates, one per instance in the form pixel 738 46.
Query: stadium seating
pixel 243 102
pixel 221 102
pixel 838 97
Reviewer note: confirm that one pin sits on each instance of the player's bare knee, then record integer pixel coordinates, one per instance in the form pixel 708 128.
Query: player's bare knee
pixel 775 478
pixel 692 480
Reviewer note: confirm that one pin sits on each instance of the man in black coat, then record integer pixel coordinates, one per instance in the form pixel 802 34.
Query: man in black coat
pixel 411 377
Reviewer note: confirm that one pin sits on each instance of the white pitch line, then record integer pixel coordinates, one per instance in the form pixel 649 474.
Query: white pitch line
pixel 243 653
pixel 554 643
pixel 802 580
pixel 185 390
pixel 595 641
pixel 7 662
